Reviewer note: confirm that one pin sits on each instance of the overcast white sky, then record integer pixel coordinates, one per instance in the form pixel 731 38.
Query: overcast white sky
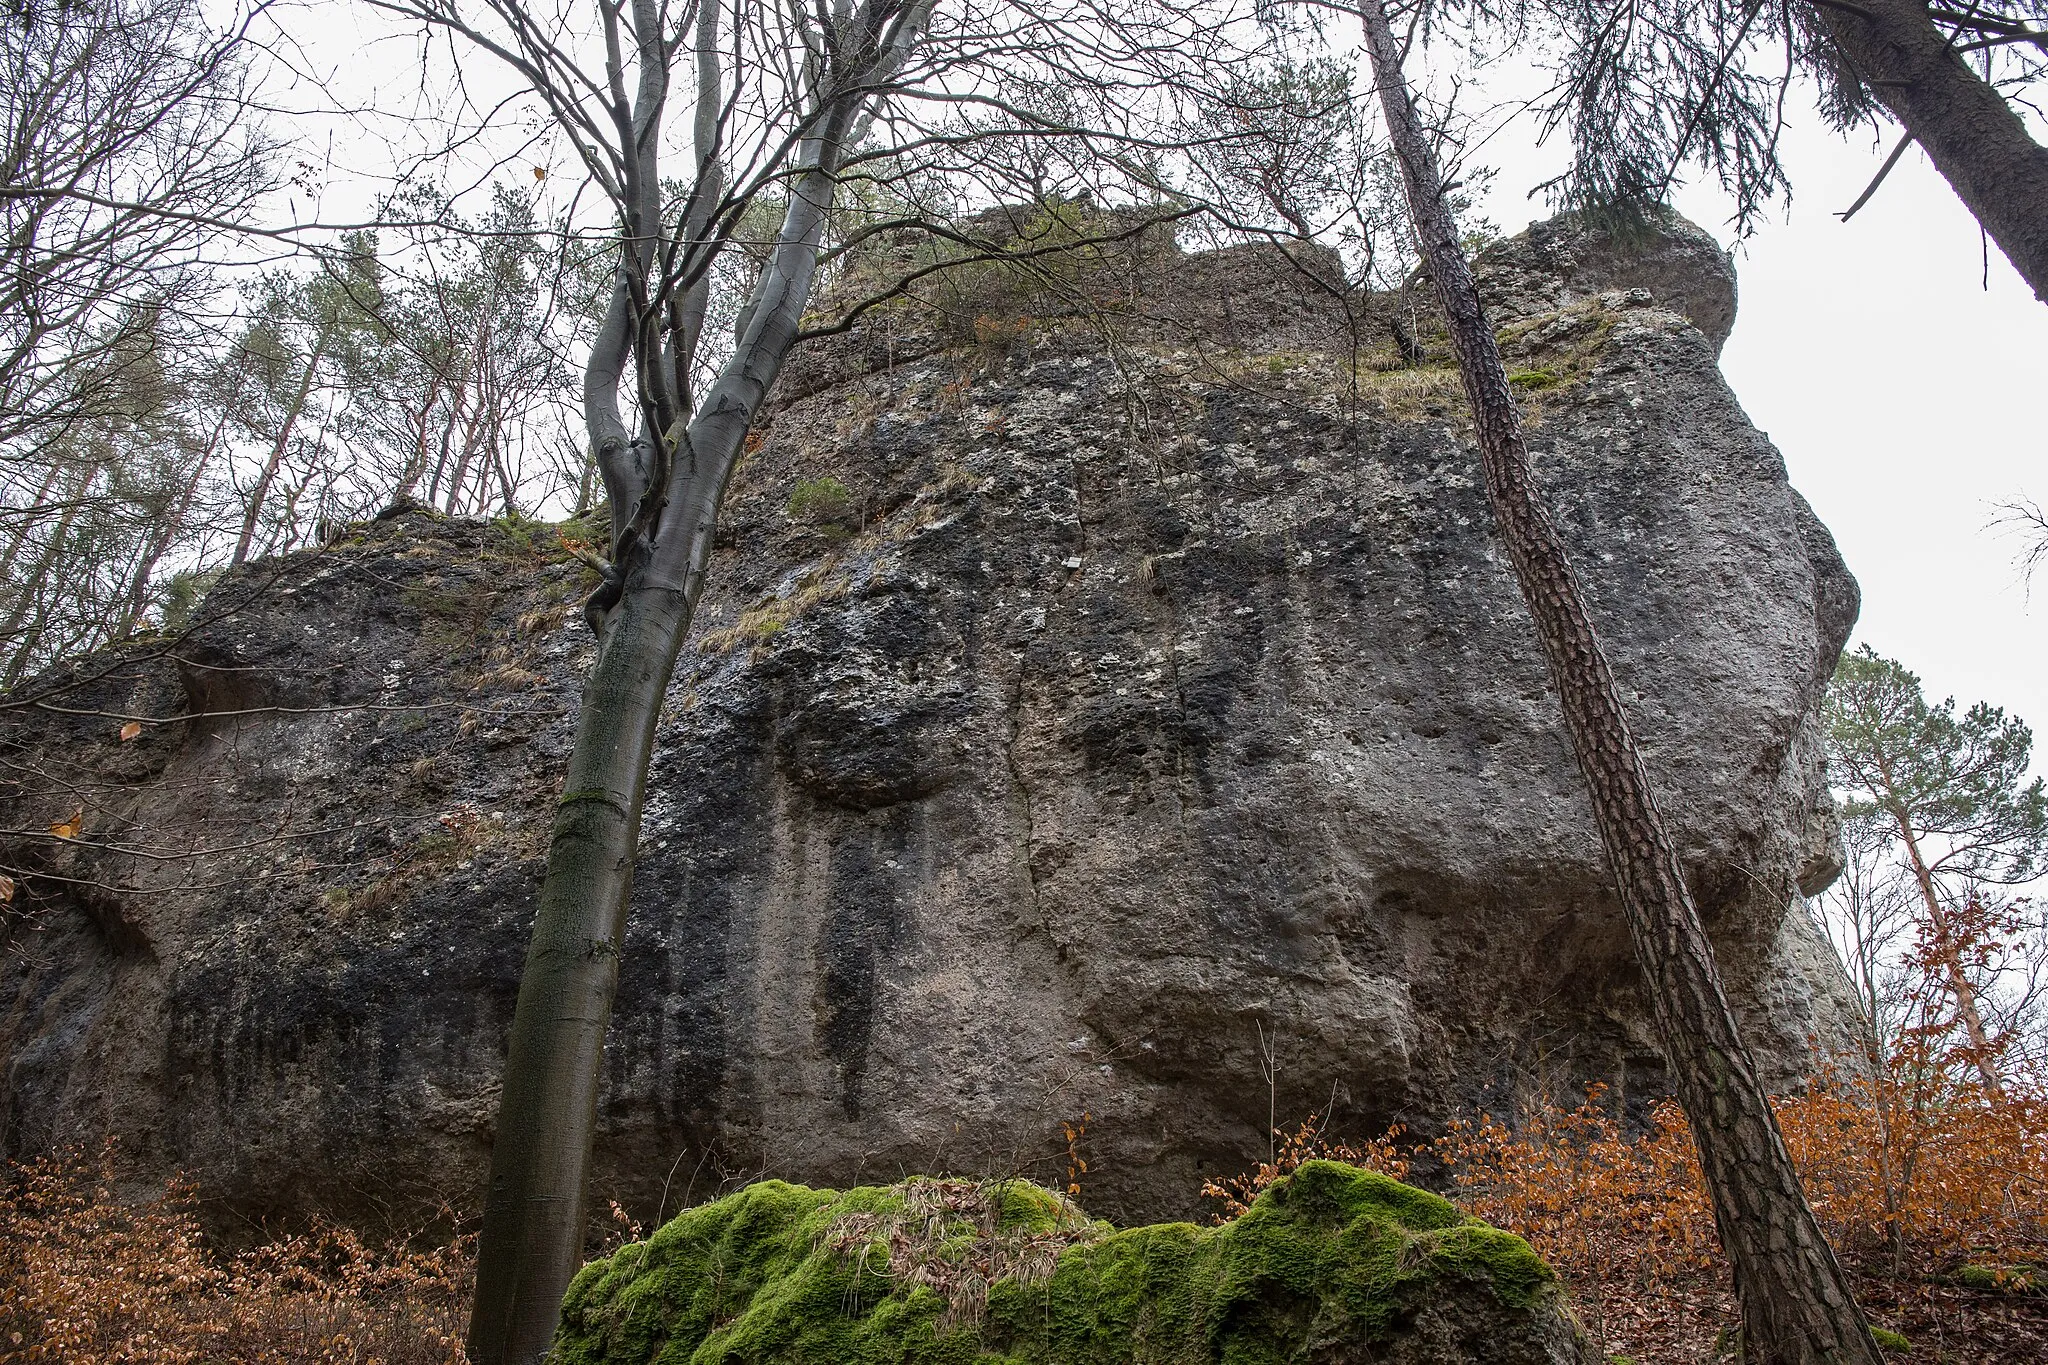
pixel 1907 400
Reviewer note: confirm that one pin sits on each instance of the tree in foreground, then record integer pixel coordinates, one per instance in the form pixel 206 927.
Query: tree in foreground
pixel 1642 88
pixel 742 148
pixel 1946 797
pixel 665 473
pixel 1796 1302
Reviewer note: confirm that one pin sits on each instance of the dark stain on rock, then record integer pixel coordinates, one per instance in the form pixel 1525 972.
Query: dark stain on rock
pixel 865 924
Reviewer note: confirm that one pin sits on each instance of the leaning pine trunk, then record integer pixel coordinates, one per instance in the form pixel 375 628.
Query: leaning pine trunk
pixel 1974 136
pixel 565 993
pixel 1796 1304
pixel 1983 1056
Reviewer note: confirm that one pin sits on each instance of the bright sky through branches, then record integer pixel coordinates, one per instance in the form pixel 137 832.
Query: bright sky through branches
pixel 1907 399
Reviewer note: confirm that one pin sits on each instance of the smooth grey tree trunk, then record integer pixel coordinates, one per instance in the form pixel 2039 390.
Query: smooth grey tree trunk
pixel 533 1229
pixel 1797 1308
pixel 549 1109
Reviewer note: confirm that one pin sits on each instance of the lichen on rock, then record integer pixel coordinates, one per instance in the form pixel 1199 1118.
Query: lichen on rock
pixel 1330 1264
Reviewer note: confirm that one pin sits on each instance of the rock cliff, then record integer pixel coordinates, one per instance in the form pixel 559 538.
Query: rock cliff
pixel 1131 717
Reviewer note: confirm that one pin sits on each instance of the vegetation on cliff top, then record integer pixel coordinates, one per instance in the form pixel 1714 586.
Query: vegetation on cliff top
pixel 954 1271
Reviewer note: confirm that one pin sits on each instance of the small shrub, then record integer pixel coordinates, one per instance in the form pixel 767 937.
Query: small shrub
pixel 1918 1178
pixel 1305 1143
pixel 824 504
pixel 1911 1178
pixel 182 595
pixel 1592 1198
pixel 996 338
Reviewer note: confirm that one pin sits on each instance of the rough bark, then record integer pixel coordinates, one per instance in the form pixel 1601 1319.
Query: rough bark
pixel 1975 138
pixel 160 540
pixel 1796 1303
pixel 19 631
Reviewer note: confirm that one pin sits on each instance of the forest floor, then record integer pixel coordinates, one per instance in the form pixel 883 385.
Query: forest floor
pixel 1616 1208
pixel 1943 1324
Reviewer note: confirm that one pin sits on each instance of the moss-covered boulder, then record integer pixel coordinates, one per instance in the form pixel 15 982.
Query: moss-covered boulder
pixel 1333 1265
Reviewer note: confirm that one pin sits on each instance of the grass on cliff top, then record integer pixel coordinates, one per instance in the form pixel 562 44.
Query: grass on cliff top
pixel 939 1272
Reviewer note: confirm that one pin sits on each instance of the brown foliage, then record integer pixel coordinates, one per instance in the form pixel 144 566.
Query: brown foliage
pixel 1935 1195
pixel 1928 1175
pixel 1591 1197
pixel 1933 1192
pixel 88 1276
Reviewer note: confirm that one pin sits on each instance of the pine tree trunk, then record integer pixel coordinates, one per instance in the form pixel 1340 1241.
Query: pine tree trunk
pixel 1796 1304
pixel 25 523
pixel 160 540
pixel 548 1112
pixel 1973 135
pixel 1946 949
pixel 20 632
pixel 261 491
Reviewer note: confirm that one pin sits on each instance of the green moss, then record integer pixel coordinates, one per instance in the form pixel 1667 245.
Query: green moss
pixel 1533 380
pixel 820 502
pixel 1891 1341
pixel 2001 1279
pixel 934 1273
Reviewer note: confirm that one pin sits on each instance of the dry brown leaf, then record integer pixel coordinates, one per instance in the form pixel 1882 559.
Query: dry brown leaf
pixel 132 730
pixel 68 827
pixel 6 888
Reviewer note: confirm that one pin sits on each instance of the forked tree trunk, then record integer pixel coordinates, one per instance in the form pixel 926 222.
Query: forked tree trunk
pixel 532 1236
pixel 1796 1304
pixel 548 1113
pixel 1974 137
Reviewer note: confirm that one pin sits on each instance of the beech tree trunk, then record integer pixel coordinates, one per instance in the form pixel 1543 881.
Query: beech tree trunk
pixel 1974 137
pixel 532 1236
pixel 534 1214
pixel 1796 1305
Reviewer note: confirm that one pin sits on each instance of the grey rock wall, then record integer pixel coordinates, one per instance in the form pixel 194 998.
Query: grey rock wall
pixel 1162 720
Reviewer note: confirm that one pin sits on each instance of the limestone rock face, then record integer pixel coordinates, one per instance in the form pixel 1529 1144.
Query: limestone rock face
pixel 1564 260
pixel 1156 736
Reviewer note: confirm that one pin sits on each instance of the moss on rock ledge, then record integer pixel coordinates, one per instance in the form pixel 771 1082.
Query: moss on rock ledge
pixel 1332 1265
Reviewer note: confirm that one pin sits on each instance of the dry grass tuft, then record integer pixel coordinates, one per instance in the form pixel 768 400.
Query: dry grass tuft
pixel 764 621
pixel 952 1237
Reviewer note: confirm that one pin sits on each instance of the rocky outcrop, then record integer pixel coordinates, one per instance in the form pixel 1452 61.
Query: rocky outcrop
pixel 1150 731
